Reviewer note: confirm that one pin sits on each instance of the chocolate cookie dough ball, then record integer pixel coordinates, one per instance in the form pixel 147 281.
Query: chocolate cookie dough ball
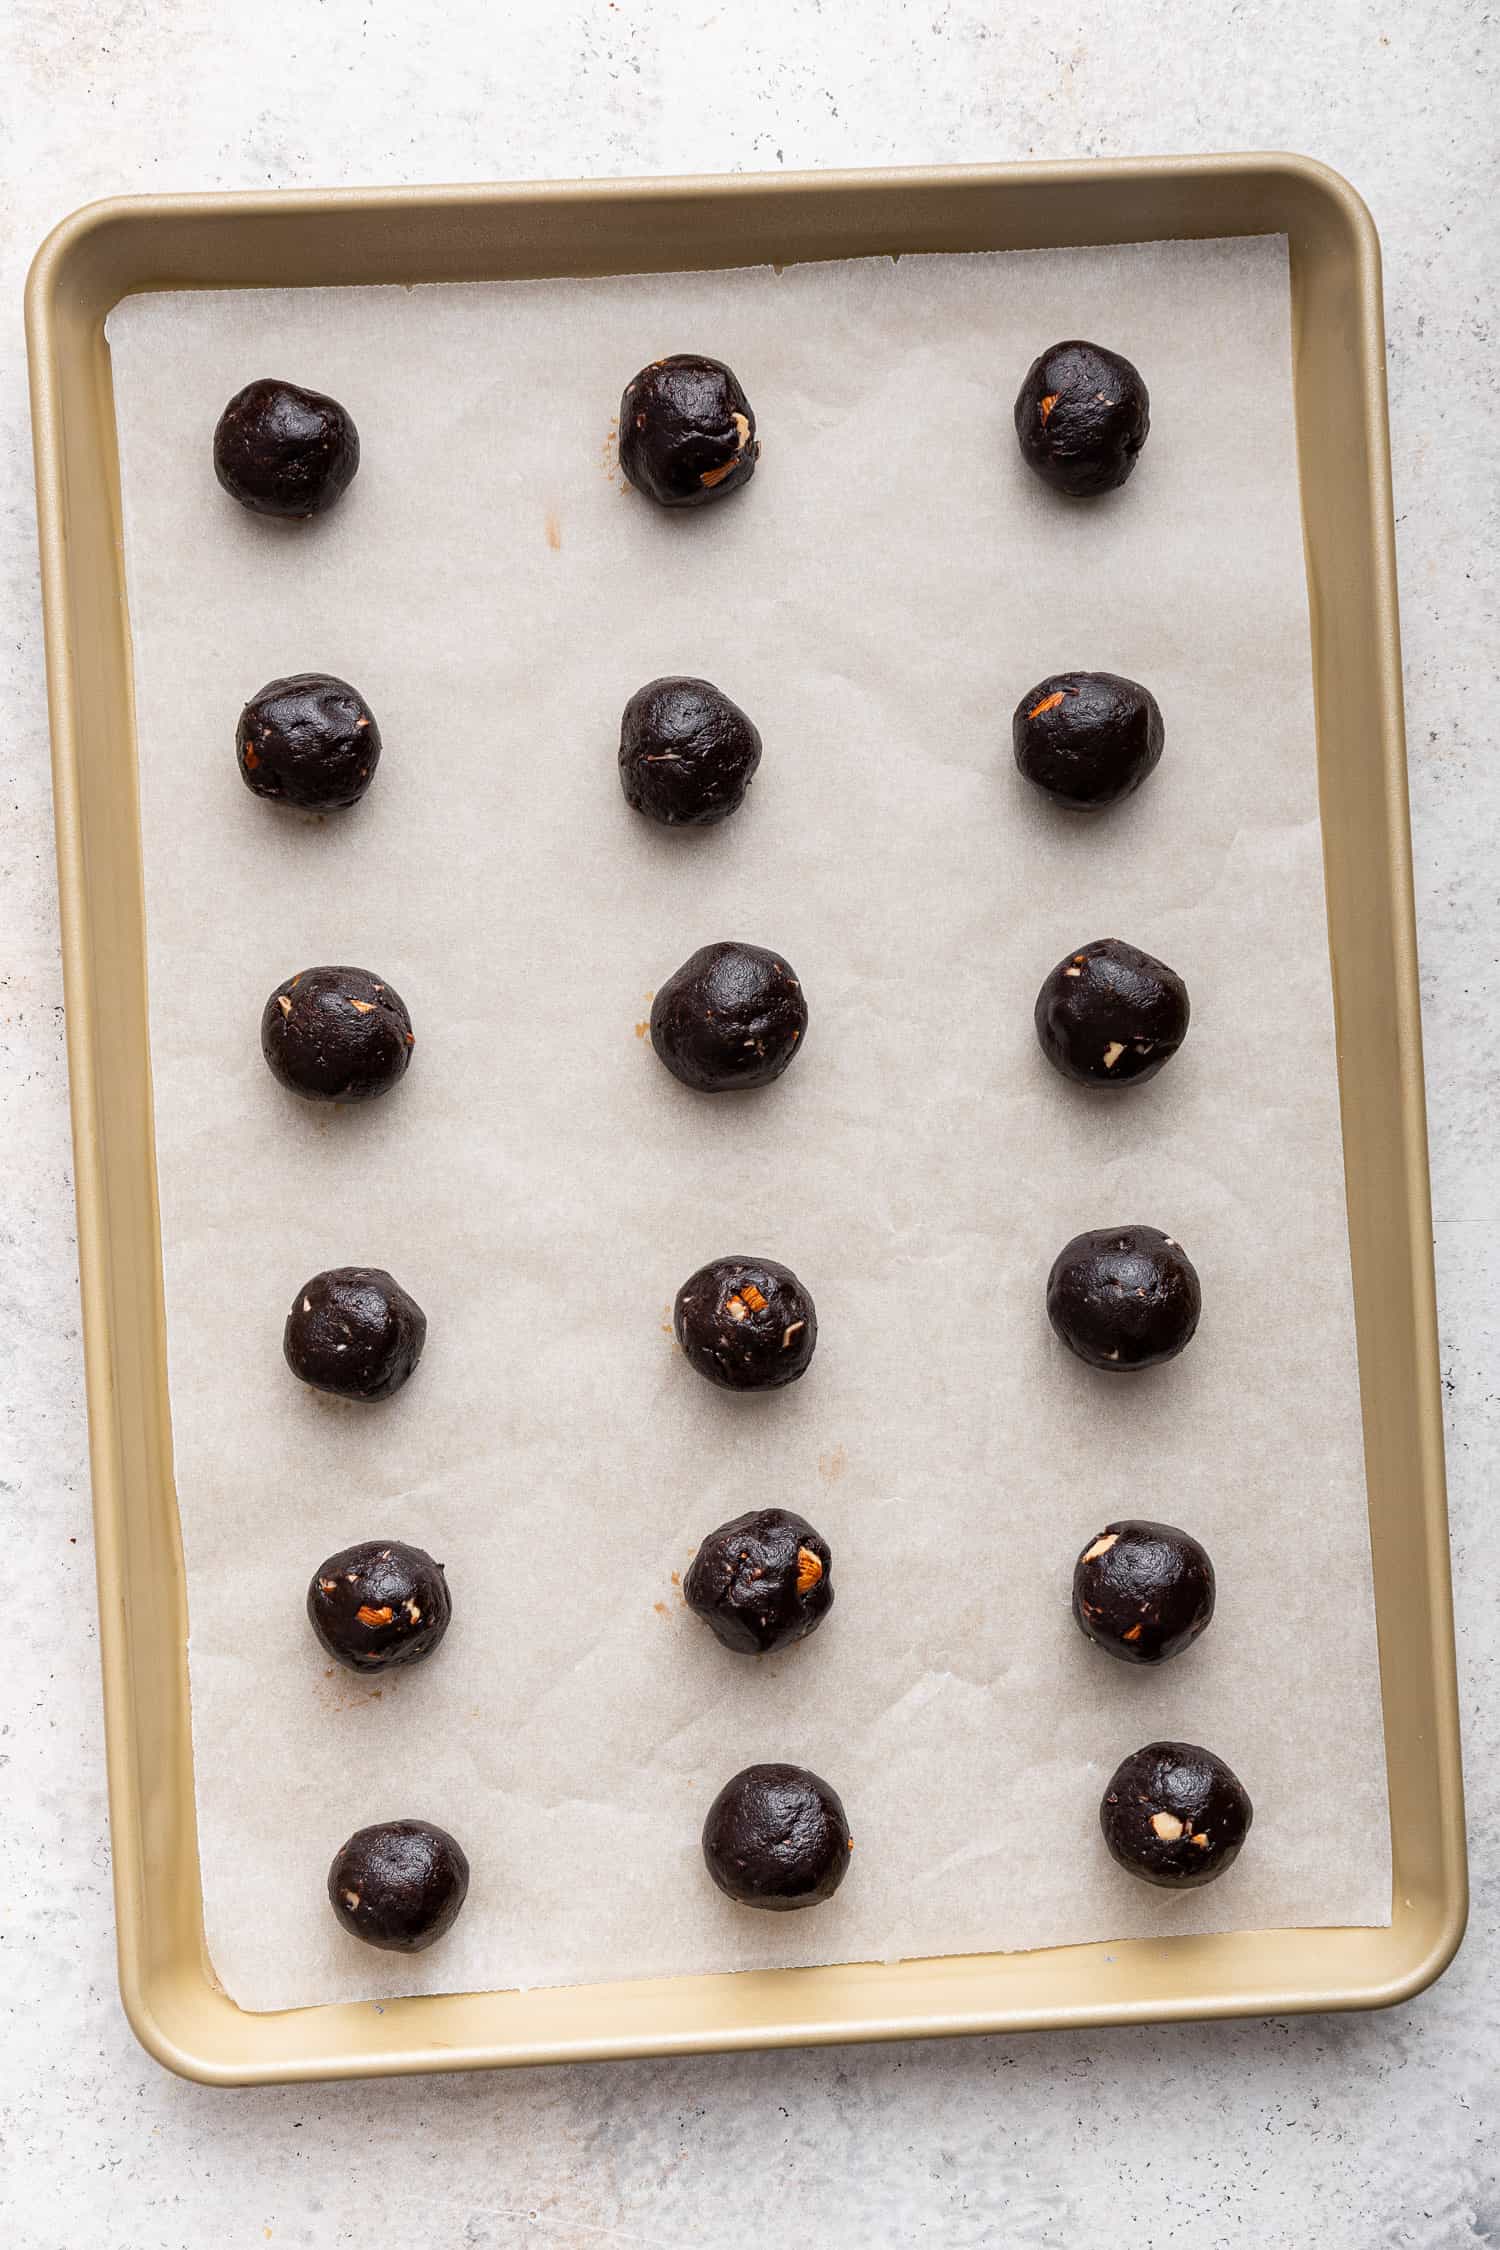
pixel 1087 738
pixel 399 1885
pixel 761 1582
pixel 379 1605
pixel 687 754
pixel 687 432
pixel 1111 1015
pixel 310 741
pixel 746 1324
pixel 354 1331
pixel 1175 1815
pixel 1124 1298
pixel 284 451
pixel 777 1836
pixel 1143 1591
pixel 336 1035
pixel 731 1018
pixel 1082 416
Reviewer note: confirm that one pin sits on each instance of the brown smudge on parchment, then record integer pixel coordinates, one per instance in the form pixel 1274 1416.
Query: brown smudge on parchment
pixel 339 1690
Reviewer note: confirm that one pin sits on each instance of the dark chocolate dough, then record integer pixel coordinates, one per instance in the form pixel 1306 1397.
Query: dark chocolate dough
pixel 1143 1591
pixel 1123 1298
pixel 1174 1814
pixel 1082 416
pixel 687 431
pixel 336 1035
pixel 354 1331
pixel 379 1604
pixel 746 1323
pixel 687 754
pixel 1110 1015
pixel 730 1018
pixel 1087 738
pixel 761 1582
pixel 309 741
pixel 777 1836
pixel 284 451
pixel 398 1885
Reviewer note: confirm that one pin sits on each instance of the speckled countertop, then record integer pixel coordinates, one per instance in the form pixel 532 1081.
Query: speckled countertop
pixel 1354 2133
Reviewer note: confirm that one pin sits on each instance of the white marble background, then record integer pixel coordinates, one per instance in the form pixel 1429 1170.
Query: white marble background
pixel 1354 2133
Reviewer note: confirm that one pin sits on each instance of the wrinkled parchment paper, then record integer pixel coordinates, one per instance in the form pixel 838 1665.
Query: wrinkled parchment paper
pixel 879 598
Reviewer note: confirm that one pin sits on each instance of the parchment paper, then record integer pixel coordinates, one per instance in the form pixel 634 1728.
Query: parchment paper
pixel 878 599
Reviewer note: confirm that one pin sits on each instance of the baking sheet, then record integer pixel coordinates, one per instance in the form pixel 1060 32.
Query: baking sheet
pixel 889 585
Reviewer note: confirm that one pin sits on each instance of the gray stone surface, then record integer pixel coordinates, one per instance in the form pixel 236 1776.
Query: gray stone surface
pixel 1354 2133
